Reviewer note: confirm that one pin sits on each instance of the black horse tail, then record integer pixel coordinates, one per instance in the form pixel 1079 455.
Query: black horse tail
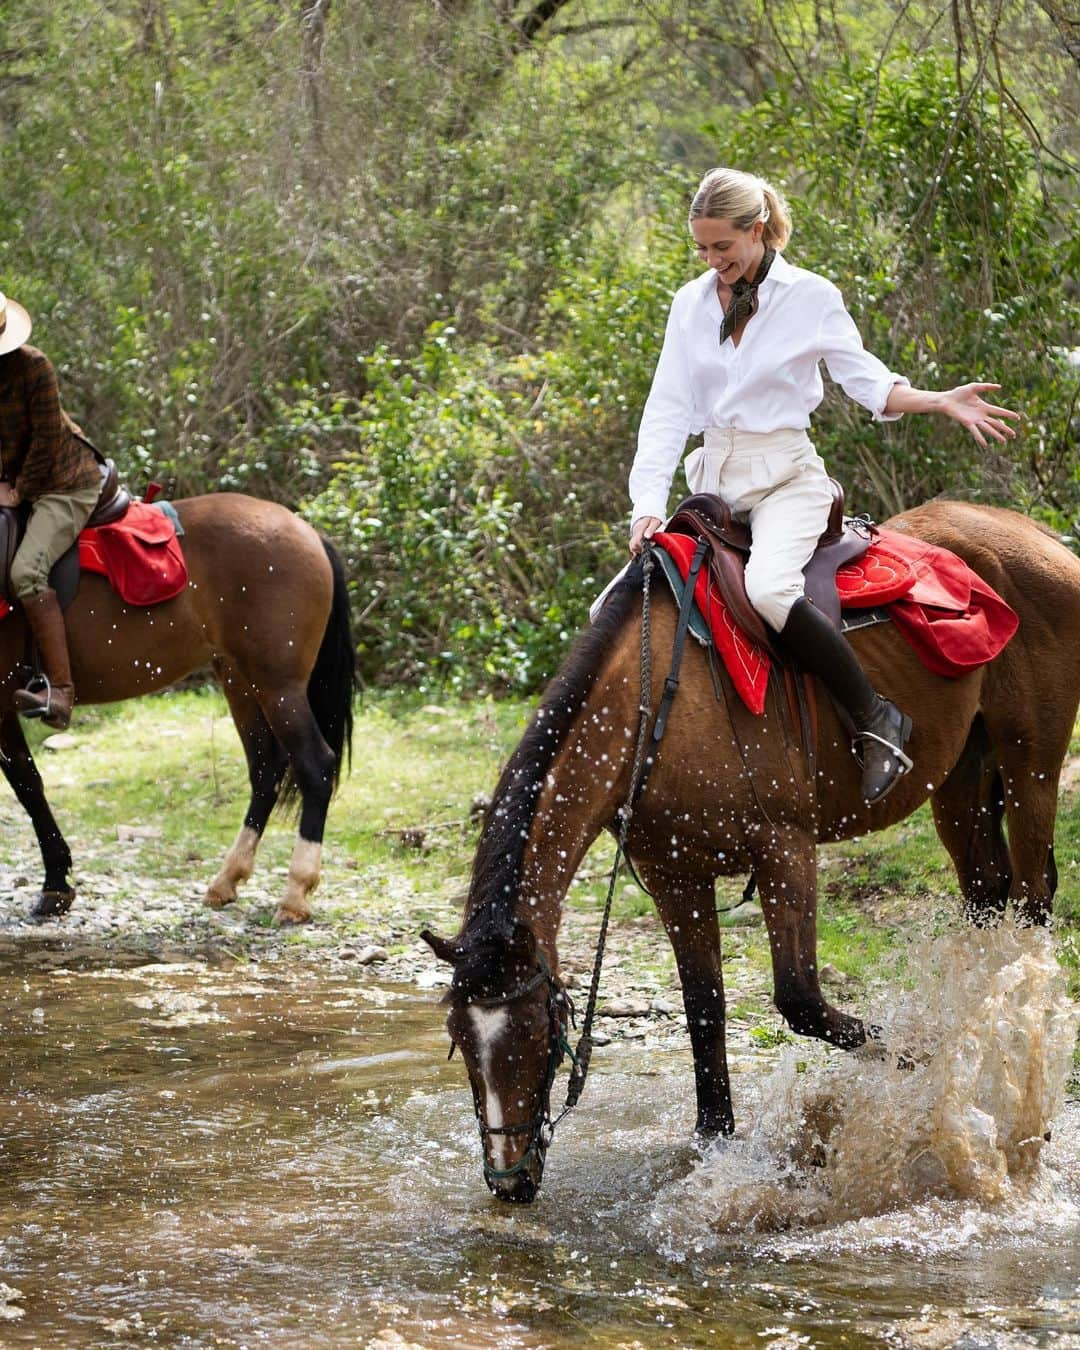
pixel 334 681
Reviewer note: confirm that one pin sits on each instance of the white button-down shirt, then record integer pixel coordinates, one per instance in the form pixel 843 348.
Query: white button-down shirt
pixel 771 380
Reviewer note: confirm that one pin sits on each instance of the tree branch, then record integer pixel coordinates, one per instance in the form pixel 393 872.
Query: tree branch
pixel 1068 28
pixel 540 15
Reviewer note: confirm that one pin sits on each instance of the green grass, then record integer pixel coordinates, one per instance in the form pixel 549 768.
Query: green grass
pixel 174 762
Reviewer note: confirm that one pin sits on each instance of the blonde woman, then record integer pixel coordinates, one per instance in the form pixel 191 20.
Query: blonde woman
pixel 740 362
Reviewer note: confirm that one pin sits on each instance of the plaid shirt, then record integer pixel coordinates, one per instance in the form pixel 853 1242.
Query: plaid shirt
pixel 42 449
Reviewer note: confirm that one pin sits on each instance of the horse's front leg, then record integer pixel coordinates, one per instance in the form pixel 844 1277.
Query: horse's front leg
pixel 57 893
pixel 786 871
pixel 687 908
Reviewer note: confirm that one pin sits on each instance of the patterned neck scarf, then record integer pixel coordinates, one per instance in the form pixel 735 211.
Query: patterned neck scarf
pixel 744 297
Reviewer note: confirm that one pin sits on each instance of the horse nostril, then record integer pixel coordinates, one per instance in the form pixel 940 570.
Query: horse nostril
pixel 518 1190
pixel 524 1191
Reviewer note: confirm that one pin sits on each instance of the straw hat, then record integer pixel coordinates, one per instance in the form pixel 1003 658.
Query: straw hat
pixel 15 325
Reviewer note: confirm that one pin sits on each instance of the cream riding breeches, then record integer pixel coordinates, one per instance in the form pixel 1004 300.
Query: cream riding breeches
pixel 776 482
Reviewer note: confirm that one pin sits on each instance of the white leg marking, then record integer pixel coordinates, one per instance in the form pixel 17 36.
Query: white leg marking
pixel 238 866
pixel 302 880
pixel 488 1026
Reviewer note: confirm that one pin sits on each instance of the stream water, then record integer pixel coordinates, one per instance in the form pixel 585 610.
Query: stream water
pixel 278 1156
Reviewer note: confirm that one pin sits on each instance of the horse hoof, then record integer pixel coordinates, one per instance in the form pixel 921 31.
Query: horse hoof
pixel 871 1052
pixel 289 914
pixel 217 899
pixel 51 904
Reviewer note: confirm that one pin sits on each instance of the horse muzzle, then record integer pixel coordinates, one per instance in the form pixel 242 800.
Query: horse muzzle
pixel 520 1189
pixel 518 1184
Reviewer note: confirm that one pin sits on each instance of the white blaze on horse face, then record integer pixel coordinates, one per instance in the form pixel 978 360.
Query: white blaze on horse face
pixel 488 1024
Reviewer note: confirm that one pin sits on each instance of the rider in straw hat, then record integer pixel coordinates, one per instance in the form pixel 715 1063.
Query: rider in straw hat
pixel 740 362
pixel 48 463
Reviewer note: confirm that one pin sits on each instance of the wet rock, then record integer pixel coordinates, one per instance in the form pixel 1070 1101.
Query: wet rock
pixel 218 958
pixel 136 833
pixel 123 1327
pixel 9 1298
pixel 626 1007
pixel 662 1007
pixel 367 956
pixel 62 740
pixel 389 1339
pixel 433 979
pixel 745 915
pixel 830 975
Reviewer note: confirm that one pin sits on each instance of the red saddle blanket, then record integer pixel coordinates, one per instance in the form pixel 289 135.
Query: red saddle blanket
pixel 139 554
pixel 951 618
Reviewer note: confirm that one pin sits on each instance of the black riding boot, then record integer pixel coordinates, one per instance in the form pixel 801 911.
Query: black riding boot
pixel 879 727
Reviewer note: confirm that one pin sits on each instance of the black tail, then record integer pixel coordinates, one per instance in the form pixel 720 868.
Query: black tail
pixel 334 681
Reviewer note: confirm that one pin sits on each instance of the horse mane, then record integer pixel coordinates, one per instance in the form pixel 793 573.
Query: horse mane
pixel 489 909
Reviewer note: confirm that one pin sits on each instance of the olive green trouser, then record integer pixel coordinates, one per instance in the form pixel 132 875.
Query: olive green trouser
pixel 54 525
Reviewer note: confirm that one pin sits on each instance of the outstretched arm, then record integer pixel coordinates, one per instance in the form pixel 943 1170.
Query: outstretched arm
pixel 964 404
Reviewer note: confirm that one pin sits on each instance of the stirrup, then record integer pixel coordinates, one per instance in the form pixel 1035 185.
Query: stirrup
pixel 884 776
pixel 36 684
pixel 906 762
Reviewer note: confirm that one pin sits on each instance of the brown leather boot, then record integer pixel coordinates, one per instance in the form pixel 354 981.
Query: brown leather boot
pixel 51 695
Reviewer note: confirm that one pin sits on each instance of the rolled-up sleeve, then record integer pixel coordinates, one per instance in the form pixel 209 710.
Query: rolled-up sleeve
pixel 858 372
pixel 665 425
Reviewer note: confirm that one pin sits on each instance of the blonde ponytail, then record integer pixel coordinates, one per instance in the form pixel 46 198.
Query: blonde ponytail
pixel 743 198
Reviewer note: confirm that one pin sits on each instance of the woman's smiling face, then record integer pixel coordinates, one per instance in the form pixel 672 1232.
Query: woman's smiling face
pixel 732 253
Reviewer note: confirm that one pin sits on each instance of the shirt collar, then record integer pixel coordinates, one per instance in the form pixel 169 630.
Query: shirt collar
pixel 780 271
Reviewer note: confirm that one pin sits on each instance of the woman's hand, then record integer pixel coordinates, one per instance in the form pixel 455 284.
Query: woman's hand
pixel 644 528
pixel 8 495
pixel 965 405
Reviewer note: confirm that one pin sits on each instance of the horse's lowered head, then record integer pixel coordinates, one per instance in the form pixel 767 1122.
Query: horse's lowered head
pixel 508 1017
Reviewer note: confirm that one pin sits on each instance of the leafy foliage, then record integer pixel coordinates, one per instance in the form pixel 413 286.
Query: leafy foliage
pixel 408 264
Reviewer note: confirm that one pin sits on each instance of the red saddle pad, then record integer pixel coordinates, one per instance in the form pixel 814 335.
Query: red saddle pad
pixel 139 554
pixel 950 617
pixel 747 663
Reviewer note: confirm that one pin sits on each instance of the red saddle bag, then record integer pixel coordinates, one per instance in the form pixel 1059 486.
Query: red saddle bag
pixel 140 554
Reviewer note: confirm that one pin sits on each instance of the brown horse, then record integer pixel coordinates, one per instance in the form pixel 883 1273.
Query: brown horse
pixel 267 609
pixel 986 746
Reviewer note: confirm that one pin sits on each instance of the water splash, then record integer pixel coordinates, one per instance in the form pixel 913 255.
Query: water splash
pixel 958 1109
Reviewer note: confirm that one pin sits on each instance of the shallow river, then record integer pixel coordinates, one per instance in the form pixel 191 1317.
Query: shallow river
pixel 271 1156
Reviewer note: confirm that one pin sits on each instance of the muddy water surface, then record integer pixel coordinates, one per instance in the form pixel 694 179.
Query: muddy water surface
pixel 266 1155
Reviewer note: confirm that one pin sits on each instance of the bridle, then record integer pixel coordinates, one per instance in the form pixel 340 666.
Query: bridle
pixel 540 1127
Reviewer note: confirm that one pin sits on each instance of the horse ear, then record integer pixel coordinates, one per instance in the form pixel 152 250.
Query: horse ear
pixel 443 948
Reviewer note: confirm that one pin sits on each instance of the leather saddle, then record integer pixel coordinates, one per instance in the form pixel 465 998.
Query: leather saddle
pixel 112 505
pixel 707 516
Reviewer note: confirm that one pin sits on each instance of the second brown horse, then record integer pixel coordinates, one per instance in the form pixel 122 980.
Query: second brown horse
pixel 267 609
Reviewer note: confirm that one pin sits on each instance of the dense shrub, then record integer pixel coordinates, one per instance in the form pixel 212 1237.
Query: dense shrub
pixel 484 503
pixel 409 271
